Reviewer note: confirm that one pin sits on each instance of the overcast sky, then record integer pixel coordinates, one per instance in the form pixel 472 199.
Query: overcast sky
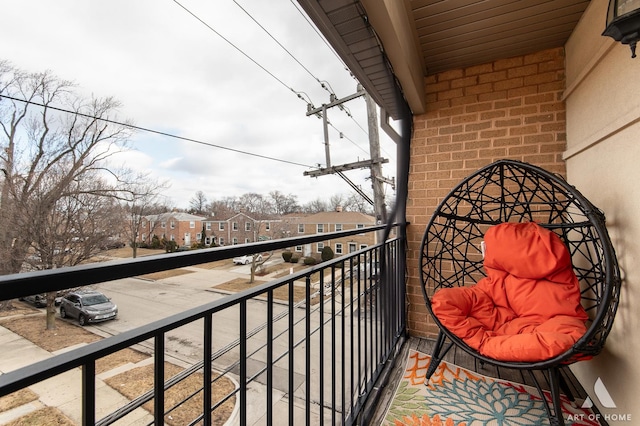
pixel 174 74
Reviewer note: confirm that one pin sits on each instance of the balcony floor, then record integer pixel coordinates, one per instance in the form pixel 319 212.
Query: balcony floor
pixel 462 359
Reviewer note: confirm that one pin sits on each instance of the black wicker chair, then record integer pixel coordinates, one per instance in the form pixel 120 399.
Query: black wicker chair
pixel 512 191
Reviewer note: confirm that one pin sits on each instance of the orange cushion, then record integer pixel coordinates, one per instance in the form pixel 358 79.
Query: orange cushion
pixel 527 308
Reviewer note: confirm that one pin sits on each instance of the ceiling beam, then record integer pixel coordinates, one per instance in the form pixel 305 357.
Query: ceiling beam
pixel 394 26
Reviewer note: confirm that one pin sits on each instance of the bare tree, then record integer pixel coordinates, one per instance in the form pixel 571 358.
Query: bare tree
pixel 142 198
pixel 255 203
pixel 56 146
pixel 337 200
pixel 283 204
pixel 315 206
pixel 198 204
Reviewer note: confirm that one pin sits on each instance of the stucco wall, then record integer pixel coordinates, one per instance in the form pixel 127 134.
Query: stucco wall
pixel 603 113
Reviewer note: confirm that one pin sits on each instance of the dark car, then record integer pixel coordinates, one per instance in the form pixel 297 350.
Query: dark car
pixel 40 300
pixel 88 306
pixel 37 300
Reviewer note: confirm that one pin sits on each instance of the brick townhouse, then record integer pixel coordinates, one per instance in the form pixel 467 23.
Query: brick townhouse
pixel 337 220
pixel 183 228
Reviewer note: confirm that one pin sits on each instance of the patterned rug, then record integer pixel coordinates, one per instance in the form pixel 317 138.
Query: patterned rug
pixel 459 397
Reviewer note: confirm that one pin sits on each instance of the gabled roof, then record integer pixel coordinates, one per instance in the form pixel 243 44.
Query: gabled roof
pixel 179 216
pixel 337 217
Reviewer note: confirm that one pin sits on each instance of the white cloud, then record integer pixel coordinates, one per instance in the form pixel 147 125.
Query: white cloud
pixel 175 75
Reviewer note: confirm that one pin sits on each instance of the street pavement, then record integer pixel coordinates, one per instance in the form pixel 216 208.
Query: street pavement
pixel 140 302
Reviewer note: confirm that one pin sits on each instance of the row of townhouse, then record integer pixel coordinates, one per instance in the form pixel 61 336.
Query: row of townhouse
pixel 242 228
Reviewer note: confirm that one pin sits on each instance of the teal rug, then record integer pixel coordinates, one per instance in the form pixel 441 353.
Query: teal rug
pixel 459 397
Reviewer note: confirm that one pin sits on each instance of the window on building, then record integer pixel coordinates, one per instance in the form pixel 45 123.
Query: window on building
pixel 198 236
pixel 235 241
pixel 338 248
pixel 247 226
pixel 363 246
pixel 247 241
pixel 163 225
pixel 352 247
pixel 208 226
pixel 221 240
pixel 172 224
pixel 267 226
pixel 144 224
pixel 192 224
pixel 319 247
pixel 301 228
pixel 338 227
pixel 235 226
pixel 360 226
pixel 221 226
pixel 320 228
pixel 299 249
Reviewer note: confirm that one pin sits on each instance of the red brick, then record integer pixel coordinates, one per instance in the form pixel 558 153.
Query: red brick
pixel 511 122
pixel 495 133
pixel 464 82
pixel 484 106
pixel 522 91
pixel 479 89
pixel 511 83
pixel 543 118
pixel 438 87
pixel 479 69
pixel 508 63
pixel 464 100
pixel 450 75
pixel 522 71
pixel 466 118
pixel 477 126
pixel 493 96
pixel 489 115
pixel 545 55
pixel 449 94
pixel 492 77
pixel 541 78
pixel 464 137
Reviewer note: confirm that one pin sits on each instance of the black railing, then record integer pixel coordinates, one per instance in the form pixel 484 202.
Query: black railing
pixel 310 358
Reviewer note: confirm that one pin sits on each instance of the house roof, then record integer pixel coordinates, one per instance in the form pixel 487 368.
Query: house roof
pixel 410 39
pixel 337 217
pixel 179 216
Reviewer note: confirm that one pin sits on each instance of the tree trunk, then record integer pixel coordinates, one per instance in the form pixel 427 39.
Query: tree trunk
pixel 51 311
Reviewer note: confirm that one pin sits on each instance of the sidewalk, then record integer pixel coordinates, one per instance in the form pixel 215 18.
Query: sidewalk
pixel 63 391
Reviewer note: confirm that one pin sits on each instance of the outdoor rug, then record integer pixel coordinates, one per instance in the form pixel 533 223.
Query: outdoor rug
pixel 459 397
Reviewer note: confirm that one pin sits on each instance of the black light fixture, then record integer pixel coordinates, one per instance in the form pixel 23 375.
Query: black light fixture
pixel 623 22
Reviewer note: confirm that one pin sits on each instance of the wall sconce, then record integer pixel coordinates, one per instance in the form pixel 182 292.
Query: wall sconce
pixel 623 22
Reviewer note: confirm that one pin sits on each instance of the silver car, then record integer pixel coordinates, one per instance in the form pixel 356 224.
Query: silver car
pixel 88 306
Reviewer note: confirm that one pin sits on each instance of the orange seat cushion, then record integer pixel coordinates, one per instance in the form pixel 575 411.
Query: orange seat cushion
pixel 527 308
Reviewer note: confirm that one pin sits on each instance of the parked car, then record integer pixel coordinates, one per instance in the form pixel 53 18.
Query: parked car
pixel 37 300
pixel 88 306
pixel 246 259
pixel 40 300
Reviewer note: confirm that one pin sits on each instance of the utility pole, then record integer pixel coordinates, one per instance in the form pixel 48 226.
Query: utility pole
pixel 375 164
pixel 376 167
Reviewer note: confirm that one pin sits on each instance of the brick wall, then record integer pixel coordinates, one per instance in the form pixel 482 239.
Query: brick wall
pixel 510 108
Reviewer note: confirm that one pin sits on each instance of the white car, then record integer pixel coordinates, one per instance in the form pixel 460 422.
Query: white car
pixel 246 259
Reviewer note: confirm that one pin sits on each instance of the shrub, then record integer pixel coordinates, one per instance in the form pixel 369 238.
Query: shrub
pixel 294 259
pixel 286 256
pixel 309 260
pixel 326 254
pixel 170 246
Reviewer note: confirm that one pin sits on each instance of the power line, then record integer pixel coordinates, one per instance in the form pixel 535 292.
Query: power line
pixel 238 49
pixel 157 132
pixel 324 84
